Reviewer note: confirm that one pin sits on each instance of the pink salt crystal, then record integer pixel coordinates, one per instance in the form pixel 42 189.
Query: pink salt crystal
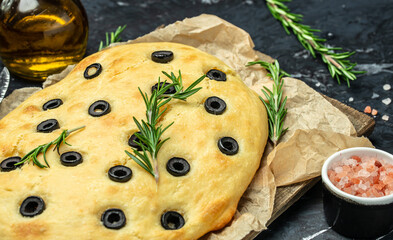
pixel 341 174
pixel 357 158
pixel 379 186
pixel 370 167
pixel 364 177
pixel 363 173
pixel 389 170
pixel 362 186
pixel 356 180
pixel 346 168
pixel 338 169
pixel 378 164
pixel 388 180
pixel 350 162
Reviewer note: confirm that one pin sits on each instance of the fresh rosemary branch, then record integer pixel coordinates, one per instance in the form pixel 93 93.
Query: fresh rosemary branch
pixel 337 63
pixel 275 106
pixel 115 37
pixel 32 155
pixel 150 130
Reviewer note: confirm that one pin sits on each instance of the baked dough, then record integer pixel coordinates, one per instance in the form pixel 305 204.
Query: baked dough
pixel 76 197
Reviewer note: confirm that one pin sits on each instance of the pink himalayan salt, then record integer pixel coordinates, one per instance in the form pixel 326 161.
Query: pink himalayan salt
pixel 362 177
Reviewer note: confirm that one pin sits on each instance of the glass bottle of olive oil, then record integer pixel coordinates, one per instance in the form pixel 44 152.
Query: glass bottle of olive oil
pixel 41 37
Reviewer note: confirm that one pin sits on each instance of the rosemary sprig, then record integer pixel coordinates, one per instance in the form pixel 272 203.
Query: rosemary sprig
pixel 338 66
pixel 150 130
pixel 275 106
pixel 32 155
pixel 115 37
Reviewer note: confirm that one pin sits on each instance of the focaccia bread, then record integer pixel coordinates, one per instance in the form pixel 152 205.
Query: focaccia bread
pixel 215 146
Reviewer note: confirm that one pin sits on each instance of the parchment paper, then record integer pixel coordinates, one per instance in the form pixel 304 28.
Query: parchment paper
pixel 15 98
pixel 316 128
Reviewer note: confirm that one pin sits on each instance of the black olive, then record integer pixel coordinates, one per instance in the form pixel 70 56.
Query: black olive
pixel 8 164
pixel 120 173
pixel 162 56
pixel 215 105
pixel 51 104
pixel 98 69
pixel 132 142
pixel 48 126
pixel 178 166
pixel 113 218
pixel 170 90
pixel 172 220
pixel 228 146
pixel 71 159
pixel 99 108
pixel 217 75
pixel 32 206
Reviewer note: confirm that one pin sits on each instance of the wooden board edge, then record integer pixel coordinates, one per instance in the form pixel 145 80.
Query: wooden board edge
pixel 363 123
pixel 300 190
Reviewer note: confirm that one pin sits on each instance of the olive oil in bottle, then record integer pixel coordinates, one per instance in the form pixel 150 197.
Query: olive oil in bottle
pixel 41 37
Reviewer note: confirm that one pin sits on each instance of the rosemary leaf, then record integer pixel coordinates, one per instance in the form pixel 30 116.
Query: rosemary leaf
pixel 339 68
pixel 151 130
pixel 139 159
pixel 275 105
pixel 115 37
pixel 33 154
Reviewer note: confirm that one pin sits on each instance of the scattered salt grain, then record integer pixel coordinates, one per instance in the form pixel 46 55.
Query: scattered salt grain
pixel 350 99
pixel 367 109
pixel 385 117
pixel 386 87
pixel 387 101
pixel 123 4
pixel 249 2
pixel 368 177
pixel 210 1
pixel 374 95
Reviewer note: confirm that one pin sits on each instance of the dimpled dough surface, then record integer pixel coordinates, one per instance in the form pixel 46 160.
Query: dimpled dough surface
pixel 76 197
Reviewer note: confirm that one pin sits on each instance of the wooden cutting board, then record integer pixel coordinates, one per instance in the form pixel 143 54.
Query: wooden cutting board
pixel 288 195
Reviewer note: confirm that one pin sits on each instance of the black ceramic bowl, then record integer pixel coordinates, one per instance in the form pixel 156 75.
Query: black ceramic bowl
pixel 353 216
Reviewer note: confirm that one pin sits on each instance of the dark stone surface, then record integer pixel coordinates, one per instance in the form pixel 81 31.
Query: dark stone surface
pixel 362 26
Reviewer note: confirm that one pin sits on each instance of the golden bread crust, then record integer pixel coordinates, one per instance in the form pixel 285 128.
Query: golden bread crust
pixel 76 197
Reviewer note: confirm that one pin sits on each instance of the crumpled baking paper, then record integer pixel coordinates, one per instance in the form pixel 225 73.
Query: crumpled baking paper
pixel 316 129
pixel 15 98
